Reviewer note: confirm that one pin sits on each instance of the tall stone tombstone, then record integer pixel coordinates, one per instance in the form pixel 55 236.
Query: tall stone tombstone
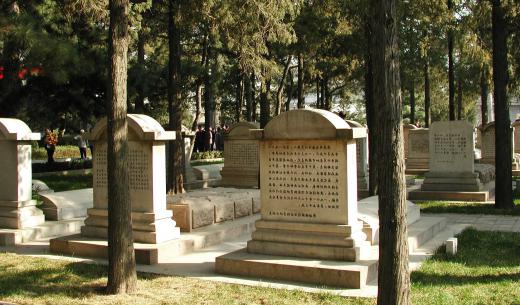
pixel 488 149
pixel 151 222
pixel 418 149
pixel 452 158
pixel 516 135
pixel 241 163
pixel 406 132
pixel 362 160
pixel 17 208
pixel 308 188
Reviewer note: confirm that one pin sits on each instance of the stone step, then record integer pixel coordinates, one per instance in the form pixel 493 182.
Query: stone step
pixel 423 230
pixel 150 254
pixel 12 237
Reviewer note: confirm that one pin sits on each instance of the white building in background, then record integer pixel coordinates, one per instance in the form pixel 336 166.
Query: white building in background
pixel 514 110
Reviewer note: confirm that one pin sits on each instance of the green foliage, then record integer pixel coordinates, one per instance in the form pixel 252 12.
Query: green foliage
pixel 205 155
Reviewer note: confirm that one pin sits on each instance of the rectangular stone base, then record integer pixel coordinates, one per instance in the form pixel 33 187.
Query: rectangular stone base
pixel 480 196
pixel 330 273
pixel 147 254
pixel 416 171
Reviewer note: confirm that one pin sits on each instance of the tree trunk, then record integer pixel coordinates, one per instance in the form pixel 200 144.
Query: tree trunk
pixel 322 94
pixel 239 95
pixel 326 94
pixel 265 102
pixel 393 276
pixel 253 96
pixel 427 117
pixel 451 73
pixel 209 91
pixel 301 97
pixel 412 103
pixel 249 98
pixel 484 91
pixel 139 102
pixel 122 276
pixel 279 92
pixel 289 91
pixel 318 98
pixel 459 99
pixel 175 165
pixel 198 106
pixel 370 112
pixel 504 193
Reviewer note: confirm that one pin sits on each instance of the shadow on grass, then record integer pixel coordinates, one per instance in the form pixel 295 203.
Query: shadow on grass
pixel 67 183
pixel 483 257
pixel 466 208
pixel 73 280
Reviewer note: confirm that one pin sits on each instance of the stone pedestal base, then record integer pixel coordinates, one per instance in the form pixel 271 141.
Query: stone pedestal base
pixel 306 240
pixel 460 182
pixel 417 163
pixel 151 228
pixel 20 214
pixel 241 178
pixel 330 273
pixel 147 254
pixel 488 190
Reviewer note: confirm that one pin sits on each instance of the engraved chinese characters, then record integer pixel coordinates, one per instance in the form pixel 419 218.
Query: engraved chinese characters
pixel 418 149
pixel 451 147
pixel 303 180
pixel 152 222
pixel 308 188
pixel 241 160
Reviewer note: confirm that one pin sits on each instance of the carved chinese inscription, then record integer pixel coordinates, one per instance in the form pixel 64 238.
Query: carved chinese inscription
pixel 303 181
pixel 138 160
pixel 241 154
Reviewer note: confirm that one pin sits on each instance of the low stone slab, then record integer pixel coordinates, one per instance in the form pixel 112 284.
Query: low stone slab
pixel 67 205
pixel 215 205
pixel 483 195
pixel 368 213
pixel 330 273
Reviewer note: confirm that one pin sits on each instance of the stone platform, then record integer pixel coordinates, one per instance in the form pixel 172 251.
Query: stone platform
pixel 150 254
pixel 12 237
pixel 486 194
pixel 67 205
pixel 319 272
pixel 353 275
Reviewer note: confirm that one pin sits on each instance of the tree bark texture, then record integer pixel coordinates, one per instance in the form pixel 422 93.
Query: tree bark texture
pixel 289 91
pixel 139 102
pixel 175 164
pixel 504 192
pixel 301 97
pixel 370 111
pixel 122 276
pixel 484 91
pixel 239 95
pixel 451 73
pixel 253 96
pixel 412 103
pixel 393 273
pixel 265 102
pixel 249 97
pixel 198 105
pixel 459 99
pixel 427 116
pixel 279 92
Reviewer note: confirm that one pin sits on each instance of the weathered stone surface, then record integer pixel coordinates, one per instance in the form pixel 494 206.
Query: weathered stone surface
pixel 361 159
pixel 418 149
pixel 308 178
pixel 488 149
pixel 406 133
pixel 241 165
pixel 39 187
pixel 17 209
pixel 152 222
pixel 67 205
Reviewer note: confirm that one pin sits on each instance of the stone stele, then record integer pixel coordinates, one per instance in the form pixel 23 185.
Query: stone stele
pixel 309 229
pixel 17 209
pixel 452 165
pixel 151 222
pixel 362 161
pixel 488 146
pixel 418 149
pixel 241 165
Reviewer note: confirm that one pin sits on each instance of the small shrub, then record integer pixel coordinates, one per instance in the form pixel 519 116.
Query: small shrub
pixel 207 155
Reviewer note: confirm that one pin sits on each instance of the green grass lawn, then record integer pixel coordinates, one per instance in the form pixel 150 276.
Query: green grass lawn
pixel 485 271
pixel 62 151
pixel 67 183
pixel 465 207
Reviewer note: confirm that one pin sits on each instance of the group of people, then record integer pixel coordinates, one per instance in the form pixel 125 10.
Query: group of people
pixel 209 140
pixel 50 141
